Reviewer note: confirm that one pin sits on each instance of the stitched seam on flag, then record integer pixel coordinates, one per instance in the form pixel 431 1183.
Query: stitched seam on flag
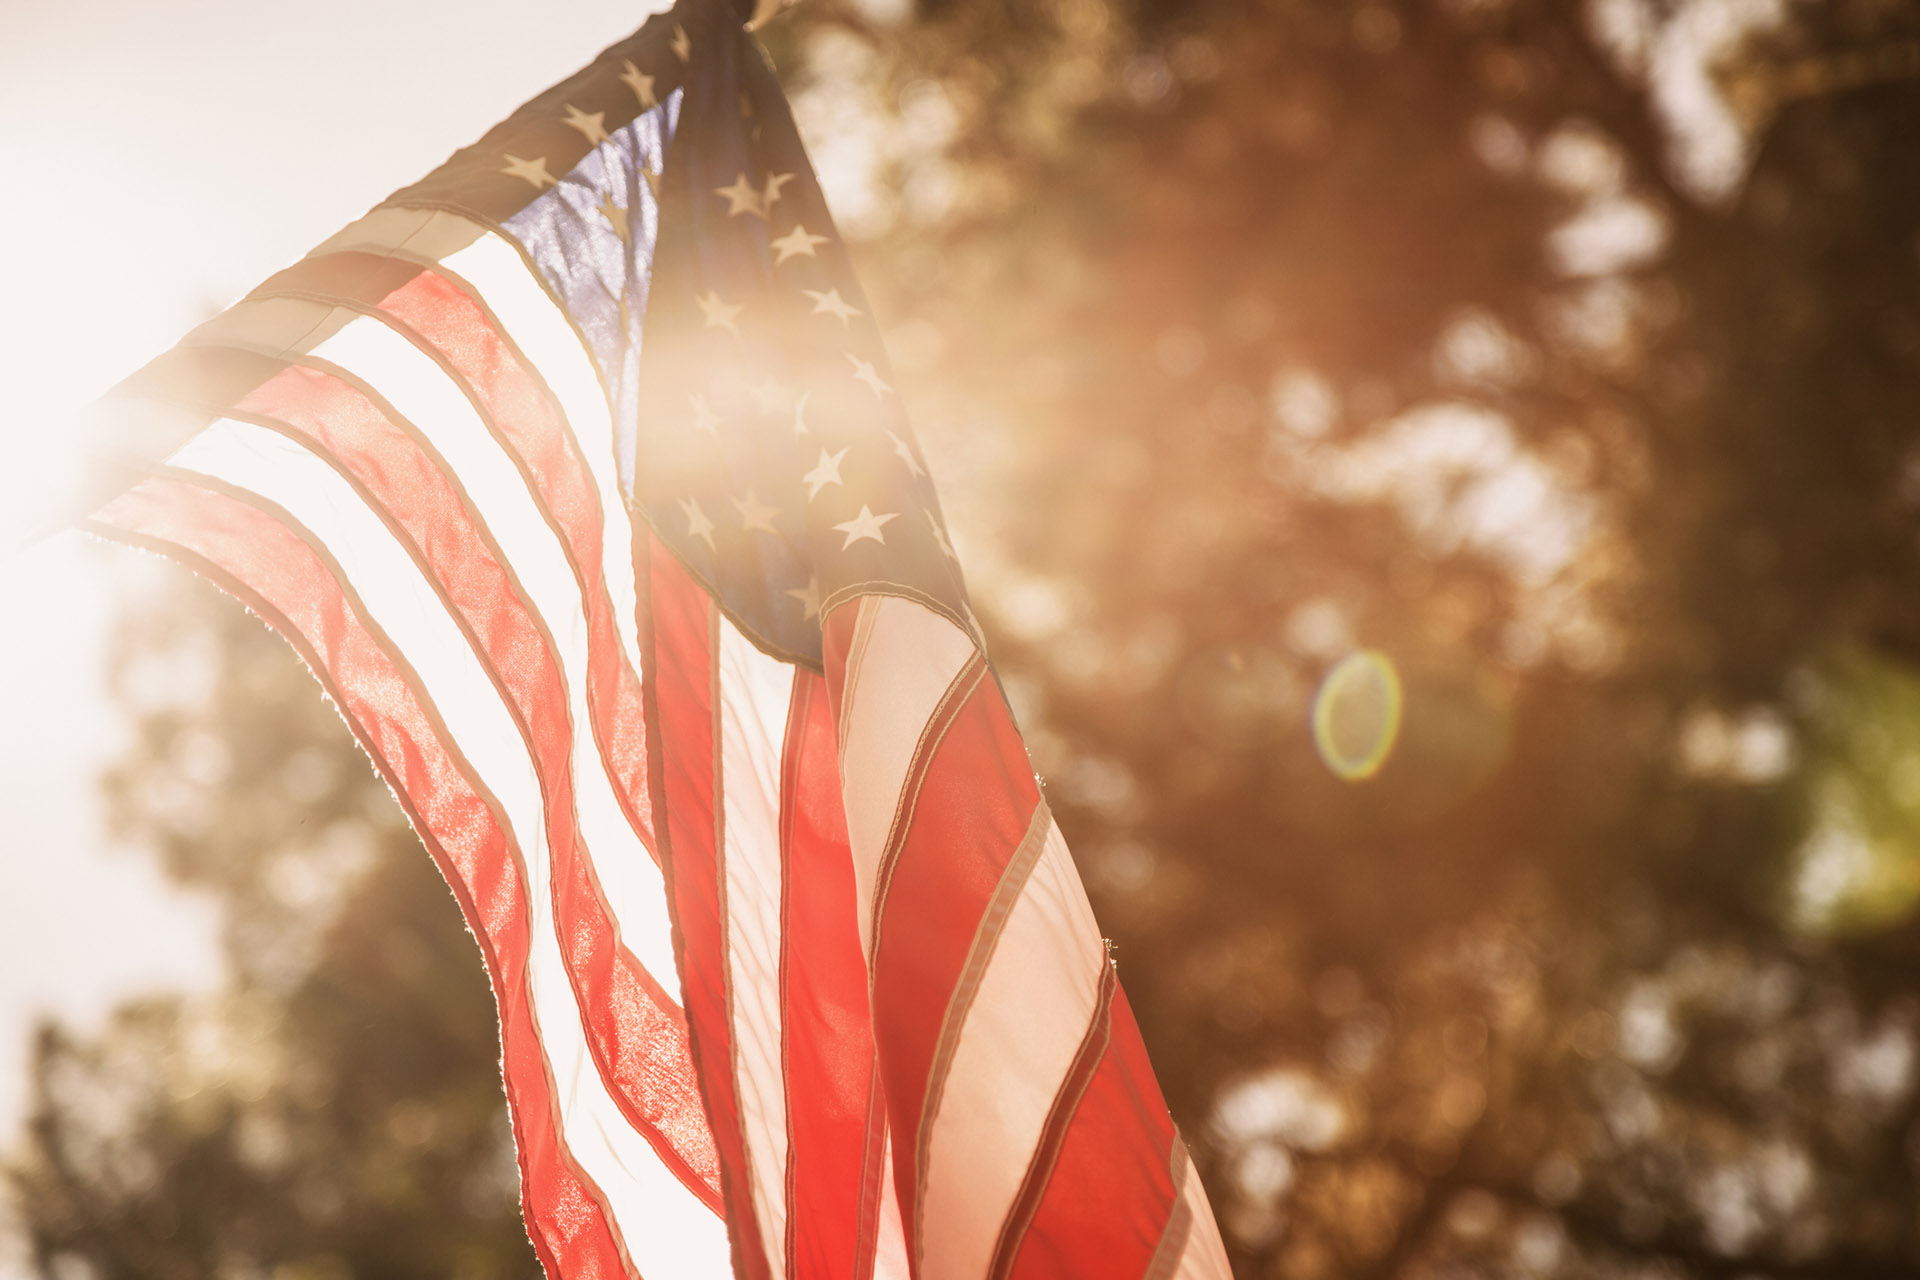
pixel 411 679
pixel 872 1176
pixel 887 587
pixel 373 310
pixel 717 736
pixel 1179 1225
pixel 513 455
pixel 439 268
pixel 1053 1135
pixel 354 275
pixel 383 250
pixel 656 1138
pixel 482 227
pixel 292 347
pixel 416 554
pixel 524 470
pixel 799 703
pixel 931 735
pixel 746 626
pixel 498 229
pixel 980 952
pixel 755 1264
pixel 854 667
pixel 656 769
pixel 588 585
pixel 500 330
pixel 472 292
pixel 419 229
pixel 416 687
pixel 657 784
pixel 402 424
pixel 400 253
pixel 485 534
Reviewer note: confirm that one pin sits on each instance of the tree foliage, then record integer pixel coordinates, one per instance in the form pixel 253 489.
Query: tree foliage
pixel 1564 356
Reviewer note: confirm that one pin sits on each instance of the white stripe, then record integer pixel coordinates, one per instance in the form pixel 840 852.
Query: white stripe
pixel 666 1228
pixel 1205 1256
pixel 891 1260
pixel 755 691
pixel 1026 1024
pixel 421 392
pixel 891 690
pixel 535 323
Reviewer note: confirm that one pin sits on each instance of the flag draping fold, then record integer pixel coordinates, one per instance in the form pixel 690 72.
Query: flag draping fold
pixel 576 474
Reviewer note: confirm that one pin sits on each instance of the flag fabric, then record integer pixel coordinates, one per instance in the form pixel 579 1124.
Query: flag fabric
pixel 576 474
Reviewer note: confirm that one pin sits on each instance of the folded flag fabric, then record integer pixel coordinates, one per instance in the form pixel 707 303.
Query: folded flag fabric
pixel 576 474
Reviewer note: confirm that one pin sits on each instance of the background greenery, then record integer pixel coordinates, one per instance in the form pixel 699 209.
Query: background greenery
pixel 1567 354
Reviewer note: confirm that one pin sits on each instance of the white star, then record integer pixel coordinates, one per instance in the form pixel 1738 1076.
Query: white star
pixel 865 525
pixel 864 372
pixel 641 84
pixel 704 419
pixel 824 473
pixel 809 598
pixel 682 46
pixel 905 451
pixel 698 526
pixel 831 303
pixel 720 314
pixel 533 171
pixel 799 418
pixel 592 125
pixel 797 243
pixel 770 194
pixel 755 514
pixel 940 537
pixel 741 198
pixel 772 397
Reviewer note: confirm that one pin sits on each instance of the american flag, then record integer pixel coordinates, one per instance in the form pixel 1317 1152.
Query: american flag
pixel 576 474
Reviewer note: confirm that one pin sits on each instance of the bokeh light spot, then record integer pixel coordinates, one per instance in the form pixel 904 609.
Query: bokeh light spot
pixel 1356 714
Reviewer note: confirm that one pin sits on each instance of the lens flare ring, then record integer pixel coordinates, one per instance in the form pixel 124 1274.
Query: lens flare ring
pixel 1356 715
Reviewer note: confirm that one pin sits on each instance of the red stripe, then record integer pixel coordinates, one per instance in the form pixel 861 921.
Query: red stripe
pixel 678 643
pixel 829 1033
pixel 1111 1191
pixel 286 582
pixel 636 1032
pixel 529 423
pixel 440 316
pixel 976 800
pixel 1099 1190
pixel 1066 1105
pixel 837 632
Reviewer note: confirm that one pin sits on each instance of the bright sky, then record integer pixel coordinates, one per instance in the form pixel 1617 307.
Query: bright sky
pixel 162 159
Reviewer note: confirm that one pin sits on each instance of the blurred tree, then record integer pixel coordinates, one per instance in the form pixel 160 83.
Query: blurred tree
pixel 1563 359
